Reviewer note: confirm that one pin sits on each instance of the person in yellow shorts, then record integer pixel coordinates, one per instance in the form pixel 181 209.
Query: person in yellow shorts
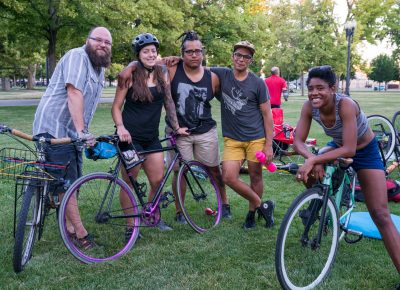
pixel 247 127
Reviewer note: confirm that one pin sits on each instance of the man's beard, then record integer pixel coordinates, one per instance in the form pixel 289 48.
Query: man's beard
pixel 98 60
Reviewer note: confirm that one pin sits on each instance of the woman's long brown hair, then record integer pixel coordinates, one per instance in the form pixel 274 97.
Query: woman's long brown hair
pixel 141 91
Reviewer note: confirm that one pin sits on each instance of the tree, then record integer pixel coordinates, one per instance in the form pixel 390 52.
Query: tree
pixel 384 69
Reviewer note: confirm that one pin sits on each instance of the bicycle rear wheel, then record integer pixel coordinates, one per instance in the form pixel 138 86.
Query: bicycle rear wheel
pixel 384 133
pixel 96 197
pixel 300 262
pixel 198 196
pixel 396 123
pixel 27 225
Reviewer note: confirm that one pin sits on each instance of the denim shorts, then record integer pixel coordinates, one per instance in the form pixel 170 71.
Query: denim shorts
pixel 69 155
pixel 368 157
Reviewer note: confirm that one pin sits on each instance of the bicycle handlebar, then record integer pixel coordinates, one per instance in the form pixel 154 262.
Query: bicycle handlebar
pixel 53 141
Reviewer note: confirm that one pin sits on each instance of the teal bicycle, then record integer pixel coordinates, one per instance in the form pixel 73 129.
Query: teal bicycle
pixel 313 226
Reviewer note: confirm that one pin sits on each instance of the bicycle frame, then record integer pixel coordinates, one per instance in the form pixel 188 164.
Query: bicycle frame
pixel 137 189
pixel 327 191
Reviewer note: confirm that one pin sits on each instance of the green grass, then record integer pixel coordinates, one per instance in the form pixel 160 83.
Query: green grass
pixel 225 258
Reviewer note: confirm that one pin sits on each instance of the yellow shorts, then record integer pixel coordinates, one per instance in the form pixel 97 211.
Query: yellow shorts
pixel 238 150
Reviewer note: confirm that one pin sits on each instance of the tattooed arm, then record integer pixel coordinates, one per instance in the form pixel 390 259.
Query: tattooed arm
pixel 171 110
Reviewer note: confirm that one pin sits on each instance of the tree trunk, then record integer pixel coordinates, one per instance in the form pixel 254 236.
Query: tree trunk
pixel 5 84
pixel 31 76
pixel 51 52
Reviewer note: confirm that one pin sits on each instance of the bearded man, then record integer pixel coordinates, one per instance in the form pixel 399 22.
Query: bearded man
pixel 67 108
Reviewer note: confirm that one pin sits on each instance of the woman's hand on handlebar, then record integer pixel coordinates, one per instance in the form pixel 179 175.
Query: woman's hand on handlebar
pixel 123 134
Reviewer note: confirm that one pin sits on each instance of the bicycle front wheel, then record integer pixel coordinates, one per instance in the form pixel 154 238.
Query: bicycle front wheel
pixel 27 225
pixel 384 133
pixel 94 200
pixel 300 261
pixel 199 196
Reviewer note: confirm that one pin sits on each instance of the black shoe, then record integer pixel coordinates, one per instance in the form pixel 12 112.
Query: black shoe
pixel 250 221
pixel 128 234
pixel 162 226
pixel 180 219
pixel 226 211
pixel 267 211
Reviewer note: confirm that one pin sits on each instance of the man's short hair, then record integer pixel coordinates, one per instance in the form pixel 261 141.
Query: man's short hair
pixel 275 70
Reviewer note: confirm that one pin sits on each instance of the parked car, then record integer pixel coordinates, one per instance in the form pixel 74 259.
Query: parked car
pixel 379 88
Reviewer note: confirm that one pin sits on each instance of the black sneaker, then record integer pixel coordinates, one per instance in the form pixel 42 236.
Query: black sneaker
pixel 162 226
pixel 226 211
pixel 250 221
pixel 128 234
pixel 180 219
pixel 267 211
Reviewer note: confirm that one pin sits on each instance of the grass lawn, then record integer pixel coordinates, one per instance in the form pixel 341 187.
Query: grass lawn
pixel 227 257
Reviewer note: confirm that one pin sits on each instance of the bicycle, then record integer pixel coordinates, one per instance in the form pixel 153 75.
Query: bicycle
pixel 388 138
pixel 34 185
pixel 384 133
pixel 115 228
pixel 286 158
pixel 396 122
pixel 312 227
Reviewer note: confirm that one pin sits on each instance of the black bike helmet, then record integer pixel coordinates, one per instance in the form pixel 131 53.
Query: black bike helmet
pixel 143 40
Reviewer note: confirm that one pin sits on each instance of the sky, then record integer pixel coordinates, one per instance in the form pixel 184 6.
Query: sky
pixel 366 50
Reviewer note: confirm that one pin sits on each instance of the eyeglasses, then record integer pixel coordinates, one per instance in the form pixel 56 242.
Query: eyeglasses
pixel 238 56
pixel 194 51
pixel 100 41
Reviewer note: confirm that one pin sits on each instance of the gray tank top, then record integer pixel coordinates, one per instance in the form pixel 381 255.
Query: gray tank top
pixel 336 130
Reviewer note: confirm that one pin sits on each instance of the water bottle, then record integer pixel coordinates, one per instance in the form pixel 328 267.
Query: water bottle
pixel 262 159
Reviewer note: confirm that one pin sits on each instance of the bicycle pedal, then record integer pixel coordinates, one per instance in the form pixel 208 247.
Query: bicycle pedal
pixel 357 236
pixel 353 232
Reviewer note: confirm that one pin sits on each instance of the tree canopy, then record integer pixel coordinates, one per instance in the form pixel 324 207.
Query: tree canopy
pixel 294 35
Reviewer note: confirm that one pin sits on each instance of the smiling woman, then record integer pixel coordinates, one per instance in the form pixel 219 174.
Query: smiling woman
pixel 343 120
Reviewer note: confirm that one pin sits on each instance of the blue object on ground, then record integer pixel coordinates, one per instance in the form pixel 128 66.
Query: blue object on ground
pixel 362 222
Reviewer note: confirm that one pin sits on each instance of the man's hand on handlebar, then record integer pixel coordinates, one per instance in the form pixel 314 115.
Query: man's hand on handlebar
pixel 87 137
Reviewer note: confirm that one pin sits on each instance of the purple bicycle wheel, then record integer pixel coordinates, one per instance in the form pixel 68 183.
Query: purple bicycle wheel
pixel 96 197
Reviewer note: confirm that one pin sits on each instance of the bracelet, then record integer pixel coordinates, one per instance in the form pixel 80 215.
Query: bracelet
pixel 176 130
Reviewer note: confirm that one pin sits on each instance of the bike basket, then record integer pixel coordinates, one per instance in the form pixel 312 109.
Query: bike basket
pixel 22 163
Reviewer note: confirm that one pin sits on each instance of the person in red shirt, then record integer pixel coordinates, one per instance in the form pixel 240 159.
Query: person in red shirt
pixel 276 86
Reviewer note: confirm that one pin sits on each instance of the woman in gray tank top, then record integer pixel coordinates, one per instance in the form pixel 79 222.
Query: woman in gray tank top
pixel 343 120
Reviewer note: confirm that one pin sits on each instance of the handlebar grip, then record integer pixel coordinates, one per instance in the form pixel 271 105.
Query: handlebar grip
pixel 21 134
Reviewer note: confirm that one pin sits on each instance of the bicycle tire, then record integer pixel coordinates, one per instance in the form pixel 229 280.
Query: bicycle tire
pixel 27 226
pixel 98 200
pixel 396 123
pixel 299 264
pixel 198 196
pixel 384 133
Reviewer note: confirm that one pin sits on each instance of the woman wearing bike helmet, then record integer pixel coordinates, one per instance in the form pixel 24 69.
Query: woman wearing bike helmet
pixel 139 120
pixel 344 121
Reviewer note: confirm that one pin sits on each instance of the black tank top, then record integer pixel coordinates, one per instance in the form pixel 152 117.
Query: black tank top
pixel 192 101
pixel 142 119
